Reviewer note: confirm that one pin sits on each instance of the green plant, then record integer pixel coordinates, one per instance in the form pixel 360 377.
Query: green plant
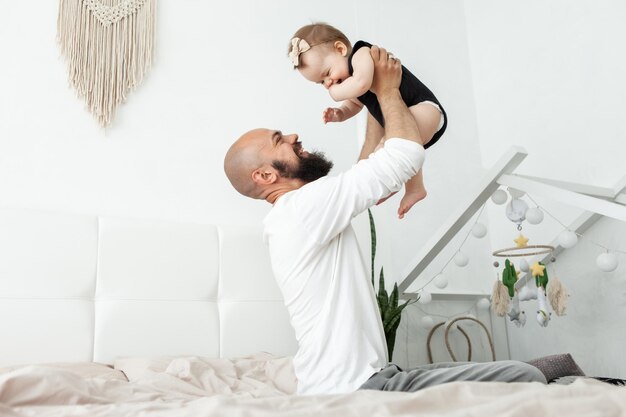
pixel 390 311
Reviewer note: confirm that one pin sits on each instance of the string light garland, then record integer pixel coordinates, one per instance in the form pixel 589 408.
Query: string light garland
pixel 455 253
pixel 580 235
pixel 479 231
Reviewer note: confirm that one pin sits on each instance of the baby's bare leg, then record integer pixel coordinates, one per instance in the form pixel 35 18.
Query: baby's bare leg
pixel 427 117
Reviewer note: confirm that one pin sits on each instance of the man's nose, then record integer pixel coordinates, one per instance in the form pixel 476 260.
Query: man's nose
pixel 292 138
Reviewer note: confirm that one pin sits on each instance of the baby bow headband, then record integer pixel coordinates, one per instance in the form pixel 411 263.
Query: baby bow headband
pixel 298 46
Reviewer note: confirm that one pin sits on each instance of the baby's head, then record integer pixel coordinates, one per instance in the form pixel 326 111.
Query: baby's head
pixel 320 53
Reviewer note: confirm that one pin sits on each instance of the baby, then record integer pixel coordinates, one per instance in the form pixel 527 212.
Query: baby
pixel 324 55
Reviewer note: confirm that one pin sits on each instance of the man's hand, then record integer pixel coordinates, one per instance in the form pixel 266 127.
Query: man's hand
pixel 387 71
pixel 333 115
pixel 399 122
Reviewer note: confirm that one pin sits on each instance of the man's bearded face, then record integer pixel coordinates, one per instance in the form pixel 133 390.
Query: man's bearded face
pixel 311 166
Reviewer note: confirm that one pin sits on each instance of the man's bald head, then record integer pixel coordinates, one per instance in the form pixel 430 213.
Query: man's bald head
pixel 242 159
pixel 265 164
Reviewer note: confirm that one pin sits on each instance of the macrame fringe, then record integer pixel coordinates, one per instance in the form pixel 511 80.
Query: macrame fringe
pixel 557 295
pixel 499 298
pixel 109 47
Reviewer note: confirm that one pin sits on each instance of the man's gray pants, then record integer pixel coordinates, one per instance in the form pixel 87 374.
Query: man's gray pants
pixel 392 378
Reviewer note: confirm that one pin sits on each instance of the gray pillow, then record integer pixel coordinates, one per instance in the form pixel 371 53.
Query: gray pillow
pixel 557 366
pixel 566 380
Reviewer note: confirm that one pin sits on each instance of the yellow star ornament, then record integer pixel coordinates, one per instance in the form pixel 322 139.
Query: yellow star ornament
pixel 521 241
pixel 536 269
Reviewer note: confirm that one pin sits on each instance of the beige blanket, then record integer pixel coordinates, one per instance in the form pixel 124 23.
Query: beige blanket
pixel 264 386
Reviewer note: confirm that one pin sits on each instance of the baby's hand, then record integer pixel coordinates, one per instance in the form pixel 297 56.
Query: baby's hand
pixel 333 115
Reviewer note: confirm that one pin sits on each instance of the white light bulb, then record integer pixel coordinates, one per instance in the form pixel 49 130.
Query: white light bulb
pixel 453 327
pixel 499 197
pixel 534 215
pixel 469 323
pixel 460 259
pixel 425 297
pixel 479 230
pixel 427 322
pixel 483 304
pixel 568 239
pixel 515 193
pixel 607 262
pixel 441 281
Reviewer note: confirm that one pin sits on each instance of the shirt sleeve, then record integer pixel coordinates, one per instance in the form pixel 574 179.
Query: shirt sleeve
pixel 328 205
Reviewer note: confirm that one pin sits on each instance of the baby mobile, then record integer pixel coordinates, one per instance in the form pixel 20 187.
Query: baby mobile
pixel 538 281
pixel 507 293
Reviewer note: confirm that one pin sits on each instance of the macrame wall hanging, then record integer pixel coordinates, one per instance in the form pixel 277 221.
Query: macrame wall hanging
pixel 109 46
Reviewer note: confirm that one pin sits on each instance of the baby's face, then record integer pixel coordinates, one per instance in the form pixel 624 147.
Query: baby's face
pixel 325 64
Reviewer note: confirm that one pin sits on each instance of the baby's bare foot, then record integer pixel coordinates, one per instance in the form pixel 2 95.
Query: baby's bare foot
pixel 408 200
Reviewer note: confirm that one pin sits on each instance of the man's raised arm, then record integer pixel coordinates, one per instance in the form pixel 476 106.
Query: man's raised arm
pixel 399 122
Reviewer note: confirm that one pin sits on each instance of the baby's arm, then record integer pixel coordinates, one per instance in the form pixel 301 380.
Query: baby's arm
pixel 347 109
pixel 359 82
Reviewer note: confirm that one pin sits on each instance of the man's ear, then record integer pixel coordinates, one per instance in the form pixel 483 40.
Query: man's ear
pixel 341 48
pixel 264 176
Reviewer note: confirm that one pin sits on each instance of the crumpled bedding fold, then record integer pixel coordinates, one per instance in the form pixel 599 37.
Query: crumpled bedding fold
pixel 263 385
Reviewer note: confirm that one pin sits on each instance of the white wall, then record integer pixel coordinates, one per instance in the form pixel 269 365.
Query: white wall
pixel 221 69
pixel 548 76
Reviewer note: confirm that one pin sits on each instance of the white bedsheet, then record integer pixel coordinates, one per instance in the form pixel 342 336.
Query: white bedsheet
pixel 263 386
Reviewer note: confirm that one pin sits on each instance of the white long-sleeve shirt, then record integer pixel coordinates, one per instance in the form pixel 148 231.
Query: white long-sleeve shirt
pixel 322 274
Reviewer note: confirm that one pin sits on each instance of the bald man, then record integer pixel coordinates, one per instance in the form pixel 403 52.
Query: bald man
pixel 315 256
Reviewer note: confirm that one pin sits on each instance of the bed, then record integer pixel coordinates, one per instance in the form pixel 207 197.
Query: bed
pixel 109 316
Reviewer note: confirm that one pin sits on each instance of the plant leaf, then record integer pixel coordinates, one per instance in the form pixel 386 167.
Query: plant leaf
pixel 383 298
pixel 392 314
pixel 392 323
pixel 390 317
pixel 391 341
pixel 373 242
pixel 393 300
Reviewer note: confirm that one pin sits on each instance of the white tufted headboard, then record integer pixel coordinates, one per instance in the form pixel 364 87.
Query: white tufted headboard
pixel 89 288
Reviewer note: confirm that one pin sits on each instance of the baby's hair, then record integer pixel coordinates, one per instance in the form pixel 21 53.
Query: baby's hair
pixel 320 33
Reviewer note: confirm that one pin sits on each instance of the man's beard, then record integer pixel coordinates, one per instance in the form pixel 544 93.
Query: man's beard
pixel 311 167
